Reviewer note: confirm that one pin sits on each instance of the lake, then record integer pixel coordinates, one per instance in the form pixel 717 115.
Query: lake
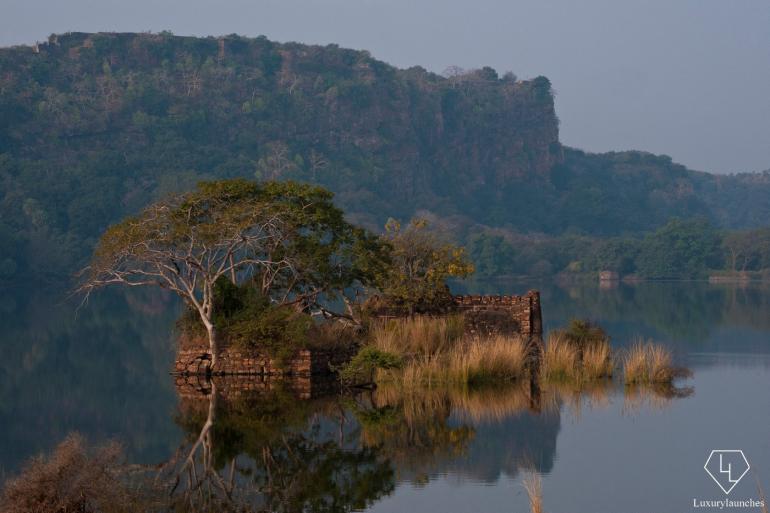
pixel 103 371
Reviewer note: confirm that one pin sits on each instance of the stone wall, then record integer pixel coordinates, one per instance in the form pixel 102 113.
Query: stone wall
pixel 489 315
pixel 193 358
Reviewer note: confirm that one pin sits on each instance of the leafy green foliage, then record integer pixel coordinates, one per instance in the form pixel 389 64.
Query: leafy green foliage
pixel 680 249
pixel 278 330
pixel 247 319
pixel 361 368
pixel 420 265
pixel 491 255
pixel 747 250
pixel 584 333
pixel 130 118
pixel 287 238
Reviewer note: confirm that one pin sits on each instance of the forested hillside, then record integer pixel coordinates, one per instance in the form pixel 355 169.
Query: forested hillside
pixel 95 126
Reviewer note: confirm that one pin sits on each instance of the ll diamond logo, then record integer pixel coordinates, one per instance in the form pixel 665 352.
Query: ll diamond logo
pixel 727 467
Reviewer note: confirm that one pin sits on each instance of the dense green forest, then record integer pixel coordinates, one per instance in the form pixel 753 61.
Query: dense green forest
pixel 95 126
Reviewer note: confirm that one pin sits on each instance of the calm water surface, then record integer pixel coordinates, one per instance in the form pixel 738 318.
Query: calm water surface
pixel 104 373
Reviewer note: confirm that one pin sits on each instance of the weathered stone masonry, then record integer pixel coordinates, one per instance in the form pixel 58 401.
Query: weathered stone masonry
pixel 489 315
pixel 193 358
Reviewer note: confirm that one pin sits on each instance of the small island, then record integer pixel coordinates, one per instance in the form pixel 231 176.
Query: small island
pixel 277 282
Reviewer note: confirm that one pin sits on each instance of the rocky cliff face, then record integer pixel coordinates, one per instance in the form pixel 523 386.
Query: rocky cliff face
pixel 95 126
pixel 243 106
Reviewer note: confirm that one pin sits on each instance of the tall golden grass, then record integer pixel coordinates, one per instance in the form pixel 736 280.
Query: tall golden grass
pixel 436 350
pixel 418 336
pixel 560 359
pixel 564 360
pixel 494 358
pixel 471 361
pixel 647 362
pixel 597 360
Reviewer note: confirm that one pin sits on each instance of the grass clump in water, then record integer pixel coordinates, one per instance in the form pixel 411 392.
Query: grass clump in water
pixel 561 359
pixel 566 360
pixel 597 361
pixel 647 362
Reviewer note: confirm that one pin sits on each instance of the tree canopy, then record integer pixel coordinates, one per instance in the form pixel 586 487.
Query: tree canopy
pixel 421 264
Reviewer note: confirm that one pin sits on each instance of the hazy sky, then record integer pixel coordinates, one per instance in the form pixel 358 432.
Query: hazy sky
pixel 689 78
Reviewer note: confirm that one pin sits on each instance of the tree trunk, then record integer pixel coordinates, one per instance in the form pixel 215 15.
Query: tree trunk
pixel 213 343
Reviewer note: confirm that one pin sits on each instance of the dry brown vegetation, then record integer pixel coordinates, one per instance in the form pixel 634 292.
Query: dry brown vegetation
pixel 436 350
pixel 597 361
pixel 646 362
pixel 564 360
pixel 73 479
pixel 418 336
pixel 560 359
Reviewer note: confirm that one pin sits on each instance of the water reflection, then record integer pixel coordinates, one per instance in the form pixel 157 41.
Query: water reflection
pixel 273 446
pixel 298 445
pixel 683 313
pixel 292 446
pixel 104 373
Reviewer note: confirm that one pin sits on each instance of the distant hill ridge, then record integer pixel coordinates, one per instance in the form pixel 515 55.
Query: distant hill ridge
pixel 94 126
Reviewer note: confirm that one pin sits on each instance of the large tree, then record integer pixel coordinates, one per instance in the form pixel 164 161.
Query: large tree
pixel 288 238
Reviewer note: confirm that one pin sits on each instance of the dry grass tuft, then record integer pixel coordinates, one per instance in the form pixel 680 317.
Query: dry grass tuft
pixel 487 359
pixel 436 350
pixel 566 360
pixel 72 479
pixel 561 359
pixel 597 361
pixel 468 362
pixel 647 362
pixel 416 336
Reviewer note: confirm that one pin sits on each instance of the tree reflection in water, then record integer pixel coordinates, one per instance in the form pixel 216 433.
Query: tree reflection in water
pixel 270 450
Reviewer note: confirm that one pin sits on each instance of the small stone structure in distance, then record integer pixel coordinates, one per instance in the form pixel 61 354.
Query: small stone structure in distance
pixel 484 316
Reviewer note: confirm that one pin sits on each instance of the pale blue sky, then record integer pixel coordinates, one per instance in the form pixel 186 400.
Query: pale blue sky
pixel 689 78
